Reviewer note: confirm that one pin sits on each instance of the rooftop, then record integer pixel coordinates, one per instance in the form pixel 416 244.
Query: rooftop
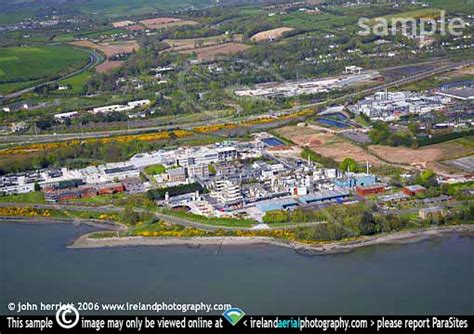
pixel 276 204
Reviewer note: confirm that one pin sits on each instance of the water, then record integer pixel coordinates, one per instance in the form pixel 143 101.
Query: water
pixel 337 116
pixel 331 122
pixel 424 278
pixel 272 141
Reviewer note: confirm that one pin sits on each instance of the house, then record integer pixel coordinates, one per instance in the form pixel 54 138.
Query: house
pixel 413 190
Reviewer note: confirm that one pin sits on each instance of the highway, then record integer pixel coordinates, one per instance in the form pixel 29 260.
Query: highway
pixel 28 139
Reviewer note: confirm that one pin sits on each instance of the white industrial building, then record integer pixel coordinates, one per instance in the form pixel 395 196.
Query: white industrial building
pixel 65 115
pixel 388 106
pixel 227 192
pixel 120 107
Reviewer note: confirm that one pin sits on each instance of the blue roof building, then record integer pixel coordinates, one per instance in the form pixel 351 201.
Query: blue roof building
pixel 277 204
pixel 361 180
pixel 324 196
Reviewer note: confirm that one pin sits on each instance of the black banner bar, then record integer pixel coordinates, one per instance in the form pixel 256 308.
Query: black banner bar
pixel 72 323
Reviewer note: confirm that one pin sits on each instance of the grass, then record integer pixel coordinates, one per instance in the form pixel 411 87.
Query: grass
pixel 155 169
pixel 66 37
pixel 133 7
pixel 101 199
pixel 23 66
pixel 425 13
pixel 77 82
pixel 436 82
pixel 324 22
pixel 12 17
pixel 362 121
pixel 36 197
pixel 461 6
pixel 315 157
pixel 101 33
pixel 12 11
pixel 6 88
pixel 467 142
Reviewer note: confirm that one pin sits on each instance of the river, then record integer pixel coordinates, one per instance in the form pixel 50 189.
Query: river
pixel 429 277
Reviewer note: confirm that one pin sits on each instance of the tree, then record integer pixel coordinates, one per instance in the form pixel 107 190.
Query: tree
pixel 427 178
pixel 367 223
pixel 130 216
pixel 348 165
pixel 379 133
pixel 275 217
pixel 37 186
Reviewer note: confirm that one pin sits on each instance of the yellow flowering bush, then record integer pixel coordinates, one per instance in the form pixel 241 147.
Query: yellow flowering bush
pixel 24 212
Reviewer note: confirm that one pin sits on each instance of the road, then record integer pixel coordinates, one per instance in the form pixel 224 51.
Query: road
pixel 26 139
pixel 95 59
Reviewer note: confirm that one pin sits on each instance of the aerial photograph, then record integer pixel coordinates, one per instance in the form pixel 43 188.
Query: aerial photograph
pixel 236 166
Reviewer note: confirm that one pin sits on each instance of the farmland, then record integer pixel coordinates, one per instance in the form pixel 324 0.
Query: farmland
pixel 195 43
pixel 271 34
pixel 166 22
pixel 425 157
pixel 110 50
pixel 332 146
pixel 211 52
pixel 327 144
pixel 22 66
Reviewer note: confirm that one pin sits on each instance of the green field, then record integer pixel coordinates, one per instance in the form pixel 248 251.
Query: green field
pixel 324 22
pixel 155 169
pixel 36 197
pixel 20 66
pixel 77 82
pixel 461 6
pixel 13 10
pixel 425 13
pixel 121 7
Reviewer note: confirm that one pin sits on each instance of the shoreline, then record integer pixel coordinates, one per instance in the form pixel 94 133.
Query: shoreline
pixel 101 224
pixel 336 247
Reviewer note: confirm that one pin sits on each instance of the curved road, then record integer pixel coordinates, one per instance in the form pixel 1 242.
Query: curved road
pixel 95 59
